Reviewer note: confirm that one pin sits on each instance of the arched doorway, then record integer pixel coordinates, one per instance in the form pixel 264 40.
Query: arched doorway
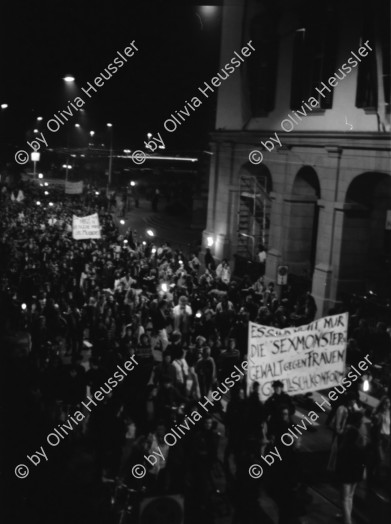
pixel 254 204
pixel 365 262
pixel 301 238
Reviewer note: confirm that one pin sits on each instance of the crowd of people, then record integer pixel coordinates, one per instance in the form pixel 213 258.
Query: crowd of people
pixel 88 306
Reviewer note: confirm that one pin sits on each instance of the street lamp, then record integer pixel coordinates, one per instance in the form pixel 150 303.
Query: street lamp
pixel 4 106
pixel 110 126
pixel 39 118
pixel 77 125
pixel 69 78
pixel 66 167
pixel 35 158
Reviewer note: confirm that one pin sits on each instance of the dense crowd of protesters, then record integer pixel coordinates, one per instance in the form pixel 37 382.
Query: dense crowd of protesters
pixel 90 305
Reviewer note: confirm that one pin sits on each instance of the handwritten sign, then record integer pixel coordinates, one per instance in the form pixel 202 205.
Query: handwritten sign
pixel 85 227
pixel 306 358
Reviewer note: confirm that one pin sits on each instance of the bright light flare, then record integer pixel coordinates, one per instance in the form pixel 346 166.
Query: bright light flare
pixel 150 233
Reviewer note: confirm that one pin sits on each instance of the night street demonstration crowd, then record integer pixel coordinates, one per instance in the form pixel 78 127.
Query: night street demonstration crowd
pixel 91 305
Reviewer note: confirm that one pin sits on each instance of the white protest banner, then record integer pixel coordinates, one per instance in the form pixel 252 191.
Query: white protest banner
pixel 74 188
pixel 85 227
pixel 306 358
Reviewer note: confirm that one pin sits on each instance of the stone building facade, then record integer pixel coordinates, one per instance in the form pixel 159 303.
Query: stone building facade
pixel 320 197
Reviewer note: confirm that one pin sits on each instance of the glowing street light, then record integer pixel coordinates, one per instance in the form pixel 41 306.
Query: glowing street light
pixel 122 222
pixel 36 131
pixel 109 125
pixel 46 193
pixel 150 233
pixel 38 203
pixel 77 125
pixel 92 133
pixel 149 135
pixel 39 118
pixel 23 306
pixel 46 184
pixel 51 204
pixel 35 158
pixel 69 78
pixel 4 106
pixel 132 183
pixel 40 175
pixel 209 241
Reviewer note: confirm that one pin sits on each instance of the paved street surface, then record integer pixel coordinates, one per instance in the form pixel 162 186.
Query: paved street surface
pixel 176 230
pixel 370 506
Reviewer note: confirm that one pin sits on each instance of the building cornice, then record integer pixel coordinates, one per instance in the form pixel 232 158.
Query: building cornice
pixel 350 140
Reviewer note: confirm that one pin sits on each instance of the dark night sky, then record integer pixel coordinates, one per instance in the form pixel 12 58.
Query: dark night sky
pixel 41 41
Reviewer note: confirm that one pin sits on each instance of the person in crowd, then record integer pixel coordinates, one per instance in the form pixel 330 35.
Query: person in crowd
pixel 276 401
pixel 209 262
pixel 351 461
pixel 182 314
pixel 381 435
pixel 236 418
pixel 165 371
pixel 223 273
pixel 338 424
pixel 107 293
pixel 261 260
pixel 206 371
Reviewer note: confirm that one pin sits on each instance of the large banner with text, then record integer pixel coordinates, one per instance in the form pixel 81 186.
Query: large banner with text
pixel 86 227
pixel 306 358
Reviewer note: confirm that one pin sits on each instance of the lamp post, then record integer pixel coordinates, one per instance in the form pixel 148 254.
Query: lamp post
pixel 110 126
pixel 35 158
